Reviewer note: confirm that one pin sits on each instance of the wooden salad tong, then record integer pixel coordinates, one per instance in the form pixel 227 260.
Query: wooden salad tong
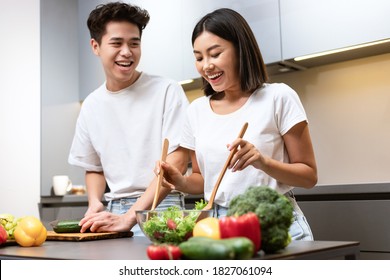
pixel 160 176
pixel 210 203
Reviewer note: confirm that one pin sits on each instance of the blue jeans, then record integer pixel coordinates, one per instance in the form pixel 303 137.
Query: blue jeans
pixel 299 229
pixel 121 206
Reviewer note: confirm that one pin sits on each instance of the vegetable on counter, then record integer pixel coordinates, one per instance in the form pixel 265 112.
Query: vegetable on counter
pixel 163 252
pixel 172 226
pixel 66 226
pixel 207 227
pixel 246 225
pixel 9 223
pixel 3 235
pixel 30 232
pixel 206 248
pixel 275 213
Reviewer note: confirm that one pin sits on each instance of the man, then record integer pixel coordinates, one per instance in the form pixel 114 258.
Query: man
pixel 122 124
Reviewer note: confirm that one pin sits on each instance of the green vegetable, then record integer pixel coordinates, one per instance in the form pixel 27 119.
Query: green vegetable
pixel 243 247
pixel 66 226
pixel 199 205
pixel 205 248
pixel 172 225
pixel 274 211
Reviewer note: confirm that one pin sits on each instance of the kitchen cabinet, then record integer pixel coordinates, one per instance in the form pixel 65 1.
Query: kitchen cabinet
pixel 350 212
pixel 161 42
pixel 309 27
pixel 166 42
pixel 261 15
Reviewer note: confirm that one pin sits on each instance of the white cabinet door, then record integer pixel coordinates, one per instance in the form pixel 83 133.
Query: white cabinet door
pixel 313 26
pixel 262 16
pixel 161 39
pixel 166 42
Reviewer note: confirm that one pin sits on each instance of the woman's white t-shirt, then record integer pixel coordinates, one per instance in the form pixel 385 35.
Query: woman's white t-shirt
pixel 270 112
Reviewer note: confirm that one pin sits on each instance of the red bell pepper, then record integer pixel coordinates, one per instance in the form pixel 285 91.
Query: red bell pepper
pixel 3 235
pixel 247 225
pixel 163 252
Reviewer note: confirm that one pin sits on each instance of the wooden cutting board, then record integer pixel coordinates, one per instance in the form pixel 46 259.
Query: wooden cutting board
pixel 53 236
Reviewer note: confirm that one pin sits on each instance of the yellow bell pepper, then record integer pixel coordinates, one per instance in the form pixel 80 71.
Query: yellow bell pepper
pixel 207 227
pixel 30 232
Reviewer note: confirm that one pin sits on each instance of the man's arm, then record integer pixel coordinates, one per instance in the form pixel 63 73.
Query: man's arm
pixel 96 185
pixel 106 221
pixel 179 158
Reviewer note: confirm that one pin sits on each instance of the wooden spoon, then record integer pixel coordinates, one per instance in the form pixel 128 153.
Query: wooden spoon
pixel 210 203
pixel 161 174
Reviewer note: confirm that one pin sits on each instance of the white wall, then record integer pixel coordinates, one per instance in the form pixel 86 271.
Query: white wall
pixel 20 108
pixel 348 105
pixel 60 89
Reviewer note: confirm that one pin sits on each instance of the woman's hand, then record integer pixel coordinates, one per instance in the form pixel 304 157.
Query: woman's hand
pixel 301 171
pixel 173 179
pixel 247 154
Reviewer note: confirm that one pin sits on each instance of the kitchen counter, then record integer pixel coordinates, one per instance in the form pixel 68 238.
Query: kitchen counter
pixel 367 190
pixel 72 199
pixel 134 248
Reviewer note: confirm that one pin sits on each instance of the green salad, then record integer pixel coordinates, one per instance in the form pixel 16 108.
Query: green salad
pixel 172 225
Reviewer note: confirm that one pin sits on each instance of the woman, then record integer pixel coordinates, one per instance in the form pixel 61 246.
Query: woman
pixel 276 150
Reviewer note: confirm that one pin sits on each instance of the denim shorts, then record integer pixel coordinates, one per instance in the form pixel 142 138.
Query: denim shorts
pixel 299 229
pixel 121 206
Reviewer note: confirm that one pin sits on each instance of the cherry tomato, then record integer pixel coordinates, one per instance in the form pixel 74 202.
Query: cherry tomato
pixel 163 252
pixel 171 224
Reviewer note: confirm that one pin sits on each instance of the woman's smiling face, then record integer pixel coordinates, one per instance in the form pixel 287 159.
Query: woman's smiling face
pixel 217 62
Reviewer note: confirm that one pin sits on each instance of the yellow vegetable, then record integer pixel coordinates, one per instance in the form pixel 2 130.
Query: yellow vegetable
pixel 30 232
pixel 207 227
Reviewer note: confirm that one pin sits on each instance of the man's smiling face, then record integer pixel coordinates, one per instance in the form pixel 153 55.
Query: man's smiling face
pixel 120 53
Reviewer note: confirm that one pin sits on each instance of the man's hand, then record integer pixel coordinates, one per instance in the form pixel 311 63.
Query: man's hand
pixel 95 208
pixel 106 222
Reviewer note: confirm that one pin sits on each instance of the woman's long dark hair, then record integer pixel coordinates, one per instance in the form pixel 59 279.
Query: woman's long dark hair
pixel 231 26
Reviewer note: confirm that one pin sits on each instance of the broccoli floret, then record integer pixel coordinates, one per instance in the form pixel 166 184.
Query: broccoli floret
pixel 274 238
pixel 241 204
pixel 275 213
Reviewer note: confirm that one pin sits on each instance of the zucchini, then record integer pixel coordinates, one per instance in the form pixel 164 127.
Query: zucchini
pixel 206 248
pixel 66 226
pixel 243 247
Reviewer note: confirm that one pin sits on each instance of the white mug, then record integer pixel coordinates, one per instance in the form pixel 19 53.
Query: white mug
pixel 61 183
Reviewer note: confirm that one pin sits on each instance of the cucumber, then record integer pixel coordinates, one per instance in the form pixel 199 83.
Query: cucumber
pixel 206 250
pixel 243 247
pixel 66 226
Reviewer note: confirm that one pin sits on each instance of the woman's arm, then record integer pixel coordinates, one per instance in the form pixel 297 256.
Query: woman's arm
pixel 300 172
pixel 174 179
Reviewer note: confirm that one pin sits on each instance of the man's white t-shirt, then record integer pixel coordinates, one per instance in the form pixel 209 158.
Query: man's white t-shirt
pixel 121 133
pixel 270 112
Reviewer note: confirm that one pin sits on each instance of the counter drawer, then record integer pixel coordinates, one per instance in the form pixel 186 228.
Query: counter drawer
pixel 362 220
